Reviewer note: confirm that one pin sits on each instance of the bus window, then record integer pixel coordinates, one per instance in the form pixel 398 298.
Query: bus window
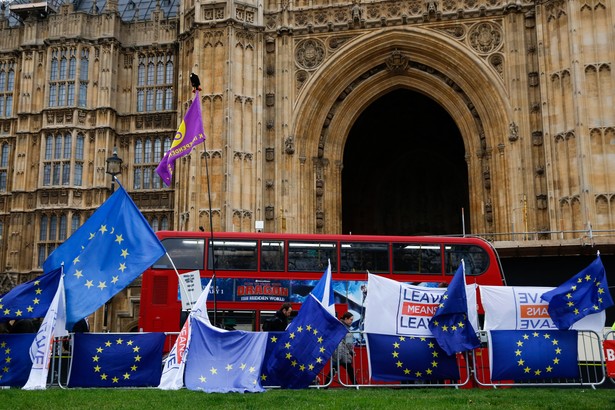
pixel 272 256
pixel 476 258
pixel 311 256
pixel 362 257
pixel 186 253
pixel 233 255
pixel 417 258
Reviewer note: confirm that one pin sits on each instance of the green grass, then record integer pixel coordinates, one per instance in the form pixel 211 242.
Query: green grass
pixel 373 398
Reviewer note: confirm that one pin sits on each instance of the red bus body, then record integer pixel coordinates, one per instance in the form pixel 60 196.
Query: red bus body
pixel 257 272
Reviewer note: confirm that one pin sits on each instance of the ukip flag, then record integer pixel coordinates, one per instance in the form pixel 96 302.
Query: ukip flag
pixel 189 134
pixel 110 250
pixel 450 324
pixel 31 299
pixel 585 293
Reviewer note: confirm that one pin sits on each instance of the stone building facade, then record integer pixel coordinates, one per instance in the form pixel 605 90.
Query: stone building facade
pixel 528 84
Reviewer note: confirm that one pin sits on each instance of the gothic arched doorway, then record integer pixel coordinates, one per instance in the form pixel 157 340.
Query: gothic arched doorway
pixel 404 169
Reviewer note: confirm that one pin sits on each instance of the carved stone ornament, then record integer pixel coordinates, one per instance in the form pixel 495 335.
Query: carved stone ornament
pixel 289 145
pixel 485 37
pixel 310 53
pixel 397 62
pixel 514 132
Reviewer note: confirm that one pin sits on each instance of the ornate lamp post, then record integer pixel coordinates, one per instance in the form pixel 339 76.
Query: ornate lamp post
pixel 114 167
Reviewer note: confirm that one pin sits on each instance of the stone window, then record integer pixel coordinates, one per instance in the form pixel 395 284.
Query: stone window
pixel 155 82
pixel 147 155
pixel 63 159
pixel 4 166
pixel 7 86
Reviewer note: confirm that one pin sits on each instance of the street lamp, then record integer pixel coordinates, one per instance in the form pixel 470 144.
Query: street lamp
pixel 114 167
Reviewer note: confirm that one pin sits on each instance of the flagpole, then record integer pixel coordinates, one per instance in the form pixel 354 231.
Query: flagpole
pixel 196 86
pixel 211 232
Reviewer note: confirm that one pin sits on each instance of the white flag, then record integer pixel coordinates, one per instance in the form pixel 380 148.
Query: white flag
pixel 174 364
pixel 521 308
pixel 54 325
pixel 395 308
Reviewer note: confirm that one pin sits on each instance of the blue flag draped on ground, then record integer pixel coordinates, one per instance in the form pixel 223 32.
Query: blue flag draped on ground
pixel 116 360
pixel 395 358
pixel 222 361
pixel 112 248
pixel 531 355
pixel 450 325
pixel 15 363
pixel 306 345
pixel 31 299
pixel 585 293
pixel 189 134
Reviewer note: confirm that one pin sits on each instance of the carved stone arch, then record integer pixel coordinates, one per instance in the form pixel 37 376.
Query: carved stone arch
pixel 474 97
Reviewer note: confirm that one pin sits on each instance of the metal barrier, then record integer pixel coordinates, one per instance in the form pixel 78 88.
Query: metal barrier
pixel 361 374
pixel 609 354
pixel 474 367
pixel 590 364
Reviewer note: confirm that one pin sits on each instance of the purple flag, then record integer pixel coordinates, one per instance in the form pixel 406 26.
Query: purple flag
pixel 189 134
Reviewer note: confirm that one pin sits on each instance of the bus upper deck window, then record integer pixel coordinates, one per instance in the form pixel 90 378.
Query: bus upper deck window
pixel 417 258
pixel 475 258
pixel 185 253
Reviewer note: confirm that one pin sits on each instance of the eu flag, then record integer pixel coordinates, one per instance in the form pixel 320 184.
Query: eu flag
pixel 530 355
pixel 15 363
pixel 111 249
pixel 31 299
pixel 116 360
pixel 222 361
pixel 306 345
pixel 401 358
pixel 585 293
pixel 267 379
pixel 450 325
pixel 189 134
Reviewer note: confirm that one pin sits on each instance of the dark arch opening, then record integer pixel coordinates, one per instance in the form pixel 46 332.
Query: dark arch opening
pixel 404 169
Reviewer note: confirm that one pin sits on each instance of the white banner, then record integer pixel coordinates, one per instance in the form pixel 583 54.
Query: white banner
pixel 172 377
pixel 190 288
pixel 53 325
pixel 521 308
pixel 395 308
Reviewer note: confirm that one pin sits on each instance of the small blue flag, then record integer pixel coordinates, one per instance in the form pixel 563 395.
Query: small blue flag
pixel 31 299
pixel 531 355
pixel 116 360
pixel 112 248
pixel 585 293
pixel 222 361
pixel 306 346
pixel 399 358
pixel 323 291
pixel 15 362
pixel 450 325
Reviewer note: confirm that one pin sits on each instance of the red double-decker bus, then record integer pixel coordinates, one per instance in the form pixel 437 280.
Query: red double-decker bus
pixel 257 272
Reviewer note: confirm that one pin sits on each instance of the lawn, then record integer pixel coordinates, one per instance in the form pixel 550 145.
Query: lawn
pixel 367 398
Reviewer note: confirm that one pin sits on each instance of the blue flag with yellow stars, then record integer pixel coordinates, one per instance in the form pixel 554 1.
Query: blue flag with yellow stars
pixel 530 355
pixel 116 360
pixel 31 299
pixel 110 250
pixel 306 346
pixel 222 361
pixel 272 342
pixel 585 293
pixel 450 324
pixel 402 358
pixel 15 362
